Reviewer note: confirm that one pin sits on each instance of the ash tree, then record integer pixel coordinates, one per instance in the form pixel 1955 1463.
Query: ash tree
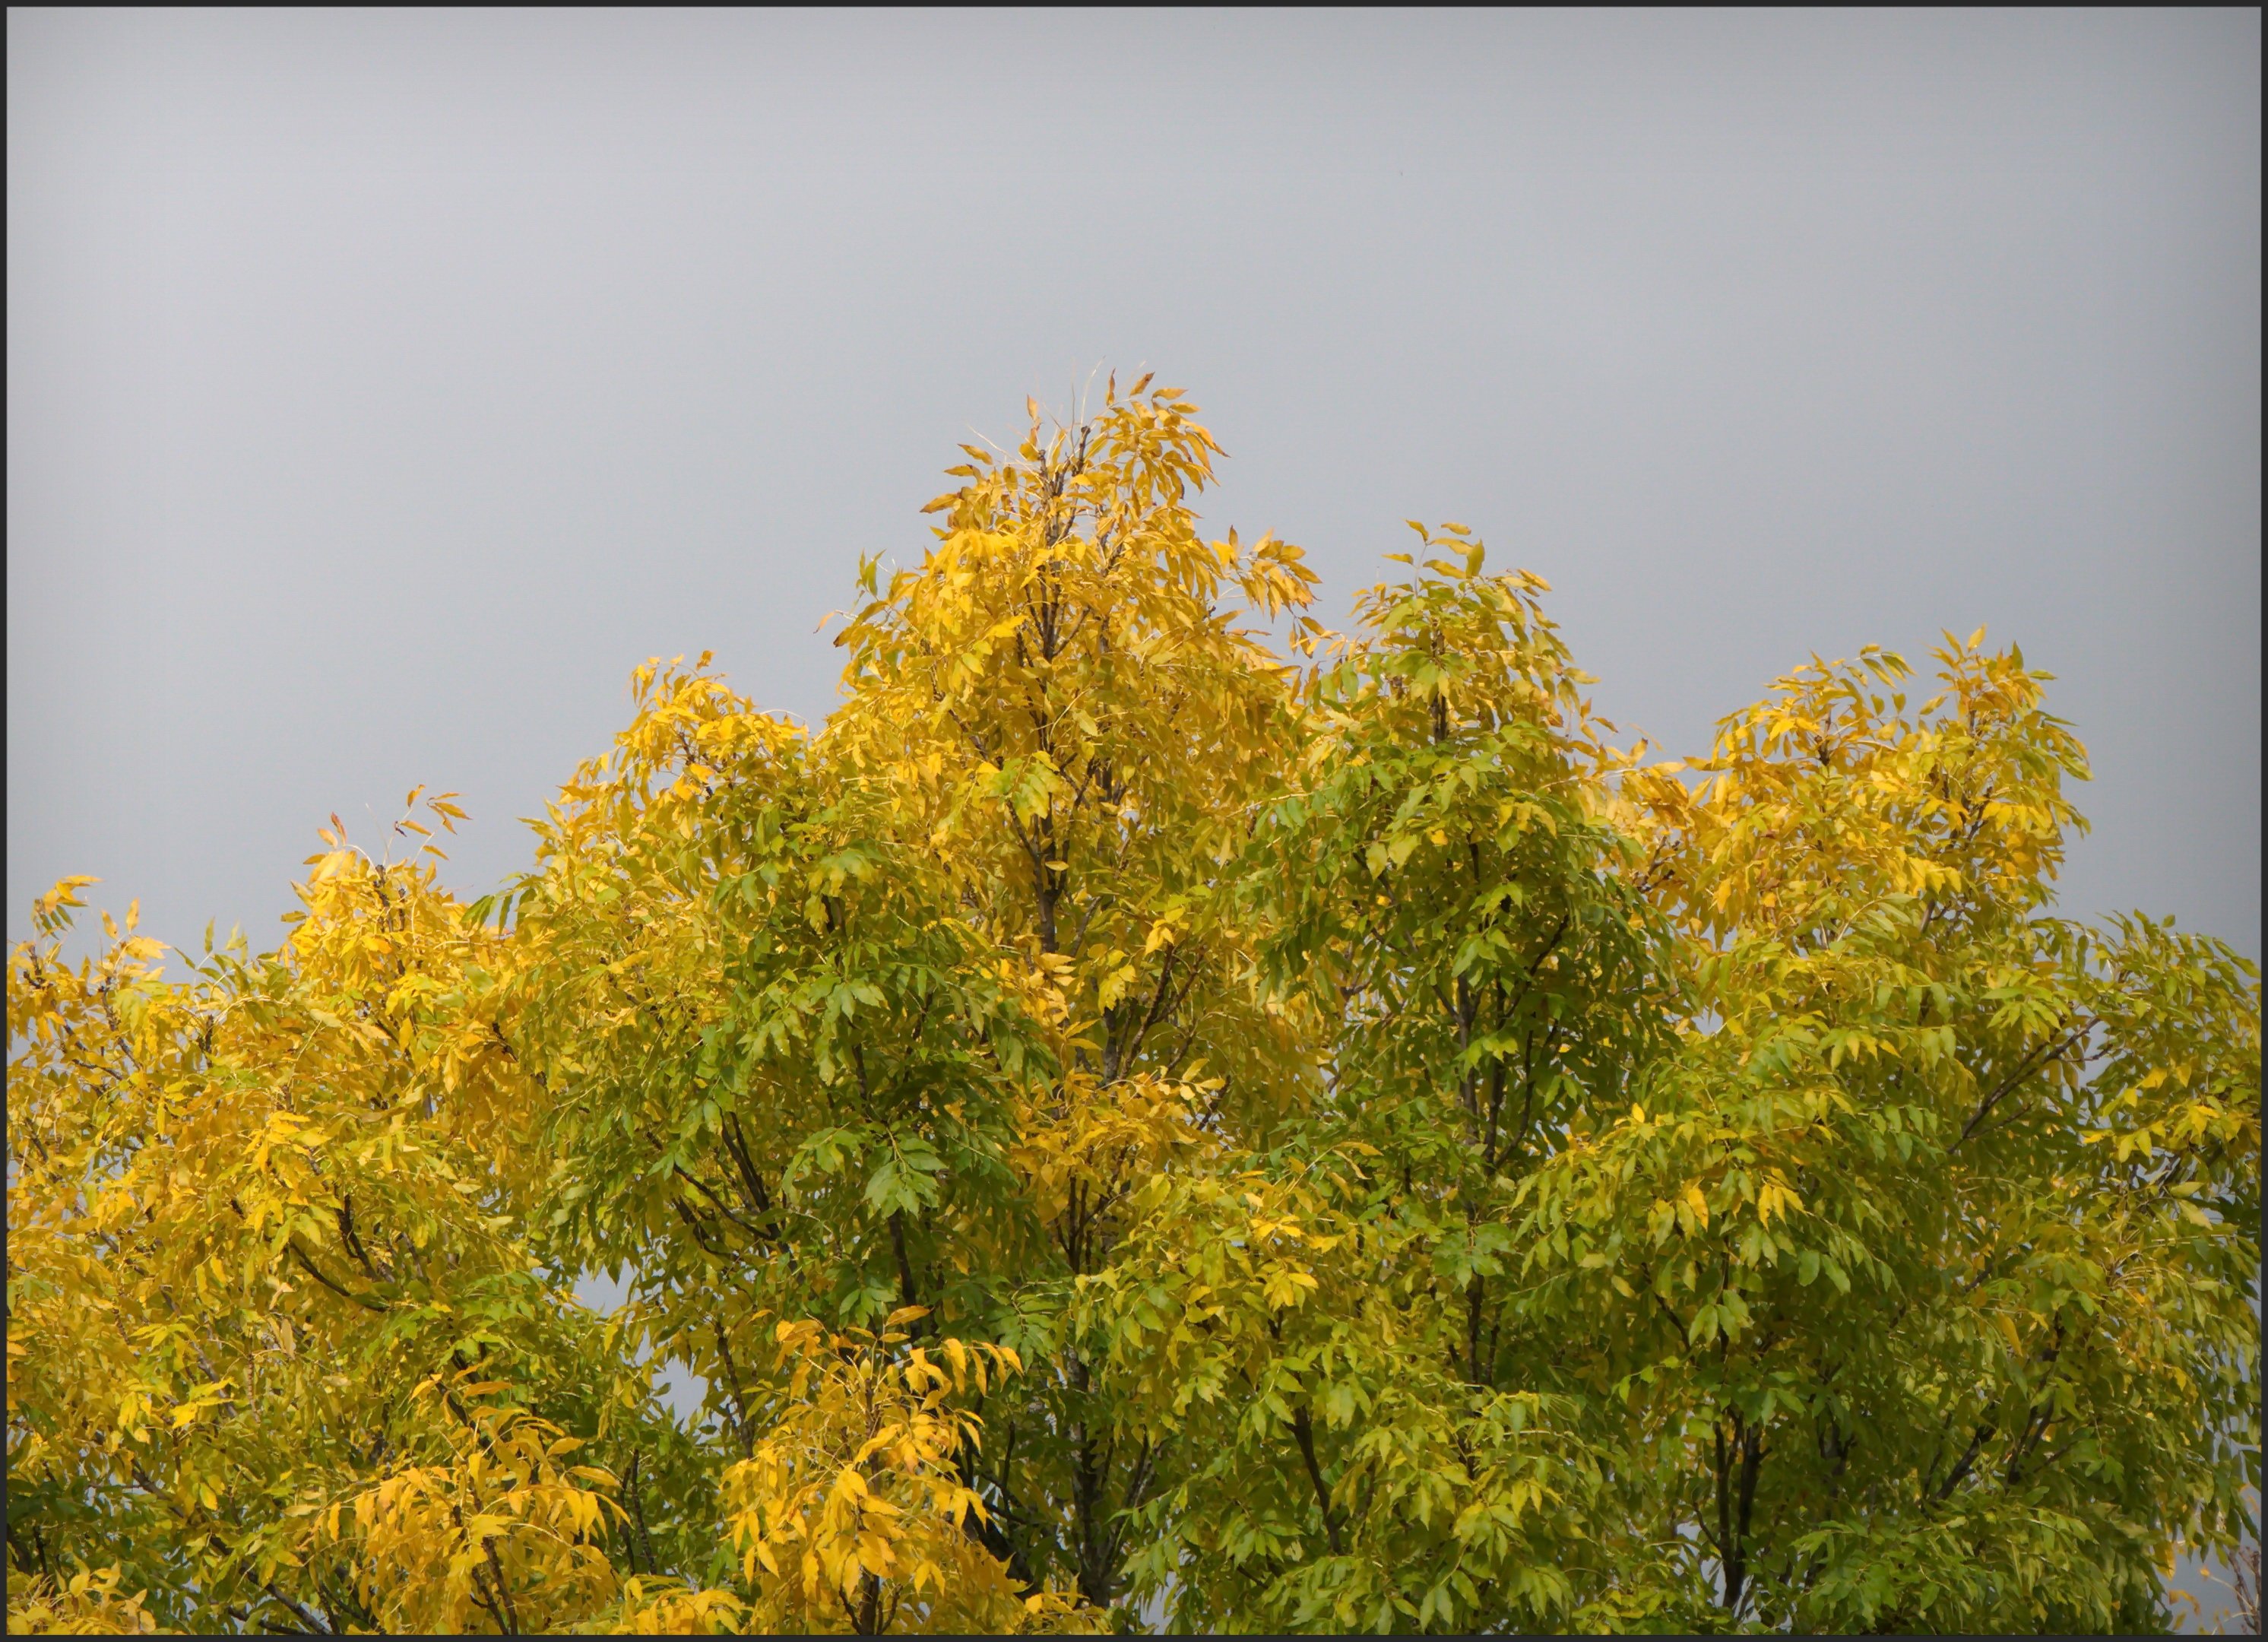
pixel 1138 1115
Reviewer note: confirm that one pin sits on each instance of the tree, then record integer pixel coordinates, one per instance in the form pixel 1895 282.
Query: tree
pixel 276 1355
pixel 1124 1114
pixel 1923 1271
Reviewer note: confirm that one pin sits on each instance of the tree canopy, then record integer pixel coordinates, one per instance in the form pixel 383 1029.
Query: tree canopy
pixel 1157 1109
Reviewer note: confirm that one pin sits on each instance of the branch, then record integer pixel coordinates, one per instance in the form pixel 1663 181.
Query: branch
pixel 1117 1057
pixel 638 1517
pixel 301 1614
pixel 723 1208
pixel 751 1182
pixel 693 1225
pixel 1136 1482
pixel 2030 1064
pixel 352 1239
pixel 1675 1322
pixel 745 1431
pixel 1303 1429
pixel 1969 1458
pixel 482 1595
pixel 496 1572
pixel 364 1300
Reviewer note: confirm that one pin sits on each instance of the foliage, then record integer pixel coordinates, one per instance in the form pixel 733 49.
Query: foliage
pixel 1922 1270
pixel 263 1264
pixel 1127 1119
pixel 852 1506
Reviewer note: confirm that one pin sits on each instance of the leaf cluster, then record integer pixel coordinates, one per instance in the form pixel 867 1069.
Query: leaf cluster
pixel 1127 1119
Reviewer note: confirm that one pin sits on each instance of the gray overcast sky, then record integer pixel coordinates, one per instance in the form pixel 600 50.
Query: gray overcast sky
pixel 382 388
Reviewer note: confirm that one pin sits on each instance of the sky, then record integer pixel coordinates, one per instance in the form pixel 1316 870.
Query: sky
pixel 383 387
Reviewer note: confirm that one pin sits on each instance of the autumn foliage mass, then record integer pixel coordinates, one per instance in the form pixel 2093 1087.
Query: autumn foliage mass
pixel 1157 1111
